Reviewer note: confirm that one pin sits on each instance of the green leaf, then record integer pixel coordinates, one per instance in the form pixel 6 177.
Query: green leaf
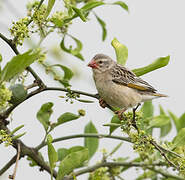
pixel 159 63
pixel 76 51
pixel 164 129
pixel 103 26
pixel 182 121
pixel 80 13
pixel 91 143
pixel 147 109
pixel 121 51
pixel 15 130
pixel 122 4
pixel 91 5
pixel 52 154
pixel 68 74
pixel 18 64
pixel 43 115
pixel 114 120
pixel 179 140
pixel 84 101
pixel 175 120
pixel 19 93
pixel 76 148
pixel 62 153
pixel 66 117
pixel 72 161
pixel 1 58
pixel 49 7
pixel 159 121
pixel 18 136
pixel 115 149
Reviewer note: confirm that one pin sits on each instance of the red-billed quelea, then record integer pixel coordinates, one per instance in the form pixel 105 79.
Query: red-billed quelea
pixel 119 87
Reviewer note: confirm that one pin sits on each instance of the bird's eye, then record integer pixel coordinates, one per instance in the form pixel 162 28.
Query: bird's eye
pixel 100 62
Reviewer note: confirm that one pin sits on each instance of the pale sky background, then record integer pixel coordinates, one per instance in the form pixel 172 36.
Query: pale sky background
pixel 153 28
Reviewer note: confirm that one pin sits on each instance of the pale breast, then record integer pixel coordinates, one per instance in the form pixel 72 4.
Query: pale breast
pixel 116 95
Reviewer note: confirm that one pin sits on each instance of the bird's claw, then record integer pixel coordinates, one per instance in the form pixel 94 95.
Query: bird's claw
pixel 102 103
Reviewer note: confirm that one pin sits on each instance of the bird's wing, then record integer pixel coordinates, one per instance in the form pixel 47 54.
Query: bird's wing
pixel 125 77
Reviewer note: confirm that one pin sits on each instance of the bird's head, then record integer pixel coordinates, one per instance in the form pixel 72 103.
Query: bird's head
pixel 101 63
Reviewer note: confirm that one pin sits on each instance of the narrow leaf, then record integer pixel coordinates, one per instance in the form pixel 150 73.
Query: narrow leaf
pixel 18 136
pixel 159 121
pixel 179 140
pixel 147 109
pixel 43 115
pixel 114 120
pixel 15 130
pixel 75 51
pixel 72 161
pixel 80 13
pixel 18 64
pixel 103 26
pixel 91 143
pixel 84 101
pixel 68 74
pixel 121 51
pixel 52 154
pixel 115 149
pixel 66 117
pixel 49 7
pixel 92 4
pixel 62 153
pixel 122 4
pixel 175 120
pixel 164 129
pixel 182 121
pixel 159 63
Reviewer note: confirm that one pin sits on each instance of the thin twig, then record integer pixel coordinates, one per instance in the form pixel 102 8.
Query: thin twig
pixel 163 154
pixel 8 165
pixel 114 164
pixel 165 174
pixel 17 160
pixel 83 136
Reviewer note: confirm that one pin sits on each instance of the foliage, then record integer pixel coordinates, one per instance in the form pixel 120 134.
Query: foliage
pixel 163 159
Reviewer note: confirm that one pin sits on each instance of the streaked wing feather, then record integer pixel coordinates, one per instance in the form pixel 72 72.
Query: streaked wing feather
pixel 123 76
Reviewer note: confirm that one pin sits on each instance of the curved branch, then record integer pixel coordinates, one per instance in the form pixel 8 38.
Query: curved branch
pixel 83 136
pixel 126 164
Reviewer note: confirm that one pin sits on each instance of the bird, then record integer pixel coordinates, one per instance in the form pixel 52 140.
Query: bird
pixel 118 86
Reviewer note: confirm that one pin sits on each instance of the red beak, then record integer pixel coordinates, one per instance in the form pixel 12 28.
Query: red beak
pixel 93 64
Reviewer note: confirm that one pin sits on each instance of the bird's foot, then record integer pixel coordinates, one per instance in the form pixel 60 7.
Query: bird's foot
pixel 102 103
pixel 120 113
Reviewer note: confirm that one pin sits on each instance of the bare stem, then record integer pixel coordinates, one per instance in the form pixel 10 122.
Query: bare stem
pixel 17 160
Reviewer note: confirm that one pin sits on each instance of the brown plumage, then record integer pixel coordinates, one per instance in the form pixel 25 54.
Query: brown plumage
pixel 118 86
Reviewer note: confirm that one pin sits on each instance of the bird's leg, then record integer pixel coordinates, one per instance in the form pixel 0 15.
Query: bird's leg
pixel 102 103
pixel 134 117
pixel 120 113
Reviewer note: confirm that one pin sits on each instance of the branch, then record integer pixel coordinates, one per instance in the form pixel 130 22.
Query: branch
pixel 115 164
pixel 165 174
pixel 8 165
pixel 163 154
pixel 26 151
pixel 84 135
